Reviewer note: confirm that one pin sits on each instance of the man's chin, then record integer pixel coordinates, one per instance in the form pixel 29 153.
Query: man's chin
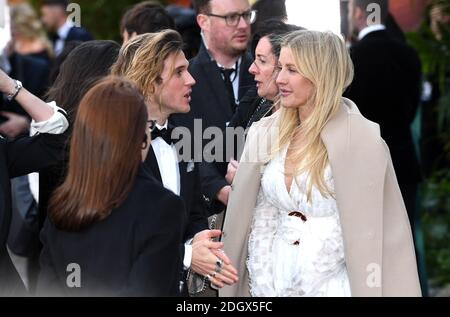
pixel 239 49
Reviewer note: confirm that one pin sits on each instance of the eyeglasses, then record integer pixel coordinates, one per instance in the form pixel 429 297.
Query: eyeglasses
pixel 233 19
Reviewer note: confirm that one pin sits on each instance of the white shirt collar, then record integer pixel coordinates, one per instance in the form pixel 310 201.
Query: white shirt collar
pixel 164 126
pixel 235 66
pixel 370 29
pixel 64 30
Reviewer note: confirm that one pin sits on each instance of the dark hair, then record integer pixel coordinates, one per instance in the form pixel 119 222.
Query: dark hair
pixel 384 6
pixel 270 9
pixel 59 3
pixel 59 60
pixel 201 6
pixel 84 66
pixel 274 29
pixel 105 154
pixel 146 17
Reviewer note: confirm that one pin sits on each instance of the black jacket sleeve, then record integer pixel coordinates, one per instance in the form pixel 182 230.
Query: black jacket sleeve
pixel 30 154
pixel 156 270
pixel 198 218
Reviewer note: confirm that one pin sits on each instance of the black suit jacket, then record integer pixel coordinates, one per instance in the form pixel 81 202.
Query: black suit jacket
pixel 78 34
pixel 210 104
pixel 387 89
pixel 20 157
pixel 133 252
pixel 189 192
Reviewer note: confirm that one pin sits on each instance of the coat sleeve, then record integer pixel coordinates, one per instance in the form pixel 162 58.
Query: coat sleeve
pixel 212 181
pixel 198 220
pixel 400 276
pixel 30 154
pixel 156 271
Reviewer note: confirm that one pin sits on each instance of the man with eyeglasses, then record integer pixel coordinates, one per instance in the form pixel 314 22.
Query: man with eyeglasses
pixel 221 72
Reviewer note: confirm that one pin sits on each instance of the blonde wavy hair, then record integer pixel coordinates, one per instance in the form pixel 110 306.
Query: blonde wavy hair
pixel 141 60
pixel 321 57
pixel 27 23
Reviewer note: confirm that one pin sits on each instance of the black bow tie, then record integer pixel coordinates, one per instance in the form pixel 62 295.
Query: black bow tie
pixel 165 134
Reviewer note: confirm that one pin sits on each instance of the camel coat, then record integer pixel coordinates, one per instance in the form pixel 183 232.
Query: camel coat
pixel 378 243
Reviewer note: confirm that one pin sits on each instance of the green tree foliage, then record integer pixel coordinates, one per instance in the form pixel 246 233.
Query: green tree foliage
pixel 435 56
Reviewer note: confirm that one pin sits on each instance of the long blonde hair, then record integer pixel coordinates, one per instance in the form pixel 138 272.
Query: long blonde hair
pixel 321 57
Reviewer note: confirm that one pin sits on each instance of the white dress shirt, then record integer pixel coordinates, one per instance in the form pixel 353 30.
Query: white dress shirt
pixel 167 158
pixel 63 32
pixel 235 79
pixel 56 124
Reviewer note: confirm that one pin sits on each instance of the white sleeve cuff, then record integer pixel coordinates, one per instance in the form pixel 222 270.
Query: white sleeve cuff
pixel 57 123
pixel 187 256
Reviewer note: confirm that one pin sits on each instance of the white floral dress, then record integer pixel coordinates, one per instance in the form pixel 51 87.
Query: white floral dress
pixel 295 247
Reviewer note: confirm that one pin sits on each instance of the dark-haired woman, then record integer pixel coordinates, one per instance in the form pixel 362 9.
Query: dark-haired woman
pixel 83 67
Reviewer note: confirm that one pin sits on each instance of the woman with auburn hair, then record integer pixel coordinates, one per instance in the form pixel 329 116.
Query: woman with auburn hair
pixel 155 62
pixel 110 218
pixel 321 213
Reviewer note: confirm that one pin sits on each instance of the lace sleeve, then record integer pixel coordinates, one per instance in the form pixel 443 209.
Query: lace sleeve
pixel 259 263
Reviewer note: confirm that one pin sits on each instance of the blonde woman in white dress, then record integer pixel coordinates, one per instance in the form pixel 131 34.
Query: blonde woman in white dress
pixel 315 208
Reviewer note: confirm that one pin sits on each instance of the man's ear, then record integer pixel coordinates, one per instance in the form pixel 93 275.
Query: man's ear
pixel 359 14
pixel 203 21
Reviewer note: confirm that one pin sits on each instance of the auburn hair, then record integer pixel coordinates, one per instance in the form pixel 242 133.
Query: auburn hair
pixel 105 154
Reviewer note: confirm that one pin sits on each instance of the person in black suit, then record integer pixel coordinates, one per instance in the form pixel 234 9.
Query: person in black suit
pixel 157 64
pixel 20 157
pixel 221 72
pixel 110 220
pixel 387 88
pixel 61 30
